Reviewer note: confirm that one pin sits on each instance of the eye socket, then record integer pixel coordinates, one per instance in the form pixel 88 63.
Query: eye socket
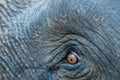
pixel 72 57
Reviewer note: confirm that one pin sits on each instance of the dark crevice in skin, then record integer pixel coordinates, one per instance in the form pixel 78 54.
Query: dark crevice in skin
pixel 54 54
pixel 9 77
pixel 85 74
pixel 100 60
pixel 2 78
pixel 21 56
pixel 97 63
pixel 4 14
pixel 80 70
pixel 60 35
pixel 116 32
pixel 11 7
pixel 13 45
pixel 2 67
pixel 7 67
pixel 13 56
pixel 31 76
pixel 109 59
pixel 5 50
pixel 26 42
pixel 106 44
pixel 104 67
pixel 9 11
pixel 19 42
pixel 88 73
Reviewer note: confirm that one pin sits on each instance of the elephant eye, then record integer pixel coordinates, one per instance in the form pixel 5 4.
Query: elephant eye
pixel 72 57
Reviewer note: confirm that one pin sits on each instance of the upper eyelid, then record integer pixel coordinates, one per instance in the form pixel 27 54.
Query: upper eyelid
pixel 70 45
pixel 79 57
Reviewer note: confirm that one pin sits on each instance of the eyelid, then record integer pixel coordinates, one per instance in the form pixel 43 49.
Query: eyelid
pixel 73 67
pixel 60 56
pixel 79 57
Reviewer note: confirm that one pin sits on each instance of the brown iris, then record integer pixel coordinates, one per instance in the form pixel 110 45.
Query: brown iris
pixel 72 58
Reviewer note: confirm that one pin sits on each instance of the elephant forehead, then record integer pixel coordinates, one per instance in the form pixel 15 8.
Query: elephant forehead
pixel 71 14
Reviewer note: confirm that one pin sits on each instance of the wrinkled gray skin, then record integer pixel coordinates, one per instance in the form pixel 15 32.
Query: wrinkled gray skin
pixel 36 35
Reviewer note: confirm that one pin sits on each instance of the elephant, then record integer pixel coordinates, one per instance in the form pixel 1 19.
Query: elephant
pixel 59 39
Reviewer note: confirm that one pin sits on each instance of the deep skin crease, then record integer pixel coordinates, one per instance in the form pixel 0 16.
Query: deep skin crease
pixel 35 39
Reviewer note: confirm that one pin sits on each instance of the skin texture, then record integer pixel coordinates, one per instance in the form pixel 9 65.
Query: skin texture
pixel 36 36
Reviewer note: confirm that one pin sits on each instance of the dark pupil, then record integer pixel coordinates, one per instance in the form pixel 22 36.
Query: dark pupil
pixel 72 58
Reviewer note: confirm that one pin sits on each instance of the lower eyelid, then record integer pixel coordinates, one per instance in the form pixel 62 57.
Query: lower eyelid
pixel 72 71
pixel 72 66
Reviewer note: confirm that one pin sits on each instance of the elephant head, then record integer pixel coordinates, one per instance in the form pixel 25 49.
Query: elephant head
pixel 59 40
